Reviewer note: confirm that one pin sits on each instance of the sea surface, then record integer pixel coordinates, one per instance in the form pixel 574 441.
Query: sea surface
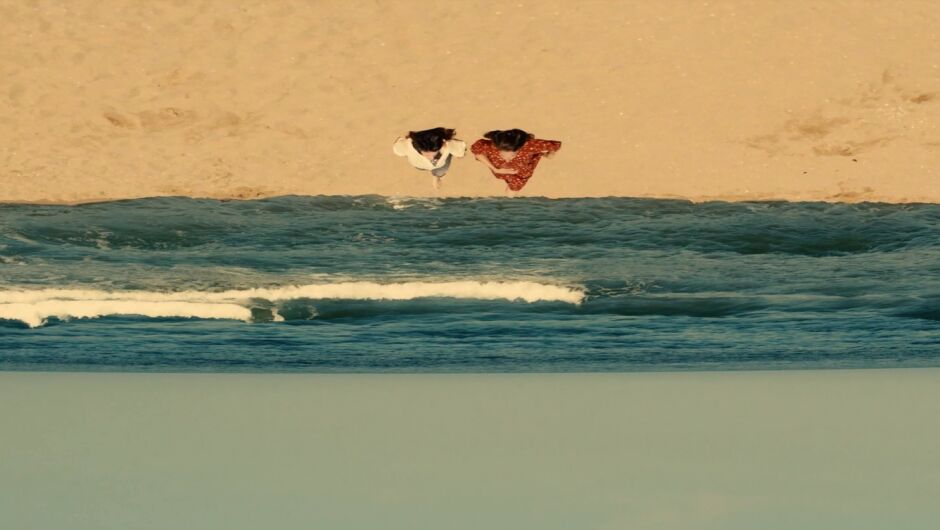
pixel 378 284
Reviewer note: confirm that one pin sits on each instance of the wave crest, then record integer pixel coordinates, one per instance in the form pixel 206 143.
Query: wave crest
pixel 34 307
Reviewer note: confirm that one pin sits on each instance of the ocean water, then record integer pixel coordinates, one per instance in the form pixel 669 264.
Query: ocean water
pixel 376 284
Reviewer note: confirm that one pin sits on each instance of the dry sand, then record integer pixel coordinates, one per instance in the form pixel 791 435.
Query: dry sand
pixel 835 100
pixel 826 450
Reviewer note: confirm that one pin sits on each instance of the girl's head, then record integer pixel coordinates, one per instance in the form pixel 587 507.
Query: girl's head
pixel 431 140
pixel 511 140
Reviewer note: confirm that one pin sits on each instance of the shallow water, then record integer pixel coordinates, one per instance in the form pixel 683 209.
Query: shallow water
pixel 481 285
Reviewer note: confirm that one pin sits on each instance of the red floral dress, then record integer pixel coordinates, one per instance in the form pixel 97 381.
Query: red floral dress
pixel 527 157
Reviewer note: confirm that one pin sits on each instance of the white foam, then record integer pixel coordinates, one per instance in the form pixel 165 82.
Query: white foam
pixel 33 307
pixel 36 314
pixel 403 203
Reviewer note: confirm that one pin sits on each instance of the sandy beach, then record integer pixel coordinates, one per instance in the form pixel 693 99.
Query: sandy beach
pixel 735 100
pixel 774 450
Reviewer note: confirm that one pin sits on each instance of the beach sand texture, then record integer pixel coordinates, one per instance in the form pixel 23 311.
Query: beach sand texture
pixel 836 100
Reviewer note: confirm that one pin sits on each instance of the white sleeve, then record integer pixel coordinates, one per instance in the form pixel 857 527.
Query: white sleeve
pixel 400 148
pixel 457 147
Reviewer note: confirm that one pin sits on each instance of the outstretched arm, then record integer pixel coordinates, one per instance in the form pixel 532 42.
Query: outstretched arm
pixel 457 148
pixel 549 147
pixel 400 148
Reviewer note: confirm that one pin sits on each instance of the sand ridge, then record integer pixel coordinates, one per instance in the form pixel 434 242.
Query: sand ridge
pixel 733 100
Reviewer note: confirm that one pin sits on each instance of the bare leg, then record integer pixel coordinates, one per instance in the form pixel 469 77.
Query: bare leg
pixel 438 173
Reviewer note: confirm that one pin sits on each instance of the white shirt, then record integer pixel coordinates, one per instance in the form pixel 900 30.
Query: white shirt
pixel 404 147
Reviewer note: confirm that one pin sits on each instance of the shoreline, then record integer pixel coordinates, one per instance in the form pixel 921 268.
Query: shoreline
pixel 693 200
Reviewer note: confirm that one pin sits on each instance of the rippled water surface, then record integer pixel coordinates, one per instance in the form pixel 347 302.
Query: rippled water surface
pixel 379 284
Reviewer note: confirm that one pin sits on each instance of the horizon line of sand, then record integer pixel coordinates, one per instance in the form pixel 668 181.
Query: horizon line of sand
pixel 693 200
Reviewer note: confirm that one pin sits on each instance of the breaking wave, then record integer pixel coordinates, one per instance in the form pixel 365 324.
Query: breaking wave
pixel 35 307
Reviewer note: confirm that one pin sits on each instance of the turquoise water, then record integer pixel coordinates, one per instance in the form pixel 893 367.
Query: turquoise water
pixel 481 285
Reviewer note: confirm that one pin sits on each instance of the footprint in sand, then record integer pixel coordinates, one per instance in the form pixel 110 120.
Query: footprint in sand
pixel 165 118
pixel 247 192
pixel 847 193
pixel 152 120
pixel 197 127
pixel 880 113
pixel 120 120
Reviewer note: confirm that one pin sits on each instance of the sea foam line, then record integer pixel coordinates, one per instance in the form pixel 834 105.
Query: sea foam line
pixel 33 307
pixel 36 314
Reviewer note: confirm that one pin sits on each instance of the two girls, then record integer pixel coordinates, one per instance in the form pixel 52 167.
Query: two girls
pixel 510 155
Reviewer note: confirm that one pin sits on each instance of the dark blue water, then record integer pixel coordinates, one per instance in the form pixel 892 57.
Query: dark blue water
pixel 483 285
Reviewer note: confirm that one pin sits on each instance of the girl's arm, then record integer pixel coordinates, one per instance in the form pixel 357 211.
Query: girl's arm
pixel 548 147
pixel 486 161
pixel 457 148
pixel 479 152
pixel 400 148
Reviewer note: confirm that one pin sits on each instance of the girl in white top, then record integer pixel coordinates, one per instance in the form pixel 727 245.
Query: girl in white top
pixel 430 150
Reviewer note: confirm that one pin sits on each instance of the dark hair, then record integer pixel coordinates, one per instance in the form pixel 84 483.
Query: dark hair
pixel 511 140
pixel 431 139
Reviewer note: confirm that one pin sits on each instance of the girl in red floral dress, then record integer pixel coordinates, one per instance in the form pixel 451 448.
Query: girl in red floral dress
pixel 512 155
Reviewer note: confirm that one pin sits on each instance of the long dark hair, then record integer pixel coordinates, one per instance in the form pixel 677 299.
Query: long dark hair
pixel 431 139
pixel 511 140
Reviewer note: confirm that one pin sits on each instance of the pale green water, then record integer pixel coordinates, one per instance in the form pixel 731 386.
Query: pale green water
pixel 716 451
